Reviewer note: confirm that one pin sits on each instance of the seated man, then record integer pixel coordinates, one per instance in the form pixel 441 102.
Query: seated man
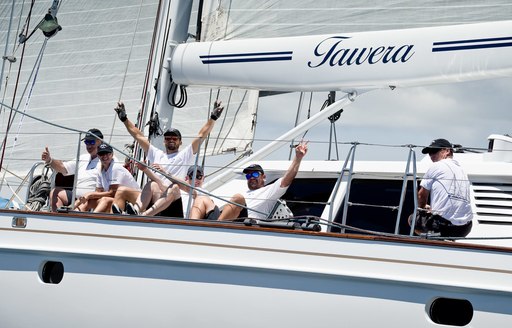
pixel 111 175
pixel 261 199
pixel 87 170
pixel 178 193
pixel 448 187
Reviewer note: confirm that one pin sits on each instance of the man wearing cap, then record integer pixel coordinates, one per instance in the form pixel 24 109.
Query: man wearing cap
pixel 448 186
pixel 172 161
pixel 177 196
pixel 111 176
pixel 87 172
pixel 260 199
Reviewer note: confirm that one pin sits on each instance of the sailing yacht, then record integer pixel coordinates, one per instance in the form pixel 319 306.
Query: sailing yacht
pixel 347 255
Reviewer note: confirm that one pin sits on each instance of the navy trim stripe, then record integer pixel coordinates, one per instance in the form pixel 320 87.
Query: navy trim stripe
pixel 247 57
pixel 245 60
pixel 249 54
pixel 472 41
pixel 475 46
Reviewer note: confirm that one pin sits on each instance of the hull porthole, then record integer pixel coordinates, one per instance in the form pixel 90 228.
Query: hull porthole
pixel 451 312
pixel 52 272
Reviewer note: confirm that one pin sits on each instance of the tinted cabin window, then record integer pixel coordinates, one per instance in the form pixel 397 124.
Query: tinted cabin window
pixel 308 196
pixel 381 193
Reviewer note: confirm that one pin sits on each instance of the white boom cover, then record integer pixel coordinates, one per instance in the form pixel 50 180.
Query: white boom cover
pixel 350 60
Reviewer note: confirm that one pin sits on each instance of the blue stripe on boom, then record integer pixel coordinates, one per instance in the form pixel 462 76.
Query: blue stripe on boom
pixel 475 46
pixel 249 54
pixel 245 60
pixel 472 41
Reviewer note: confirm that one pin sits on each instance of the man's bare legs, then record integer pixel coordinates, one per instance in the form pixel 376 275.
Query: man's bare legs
pixel 104 205
pixel 125 194
pixel 201 206
pixel 58 198
pixel 170 195
pixel 230 211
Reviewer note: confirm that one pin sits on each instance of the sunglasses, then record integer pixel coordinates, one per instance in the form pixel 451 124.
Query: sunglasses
pixel 172 138
pixel 90 142
pixel 252 175
pixel 198 176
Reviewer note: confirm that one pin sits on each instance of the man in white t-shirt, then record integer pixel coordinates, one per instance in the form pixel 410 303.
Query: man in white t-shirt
pixel 111 176
pixel 260 199
pixel 87 172
pixel 448 186
pixel 173 161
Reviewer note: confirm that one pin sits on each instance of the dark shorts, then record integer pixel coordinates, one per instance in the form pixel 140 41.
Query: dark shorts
pixel 175 210
pixel 213 214
pixel 428 222
pixel 69 195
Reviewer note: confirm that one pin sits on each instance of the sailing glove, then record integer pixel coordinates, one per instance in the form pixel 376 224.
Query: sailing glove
pixel 121 111
pixel 217 110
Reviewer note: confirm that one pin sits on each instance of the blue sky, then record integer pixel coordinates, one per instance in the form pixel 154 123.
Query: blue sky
pixel 464 113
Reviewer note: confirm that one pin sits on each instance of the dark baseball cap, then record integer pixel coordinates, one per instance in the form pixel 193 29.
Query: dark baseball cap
pixel 253 168
pixel 197 168
pixel 92 133
pixel 436 145
pixel 172 132
pixel 104 148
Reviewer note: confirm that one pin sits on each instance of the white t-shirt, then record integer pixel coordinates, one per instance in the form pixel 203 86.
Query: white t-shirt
pixel 175 164
pixel 263 199
pixel 449 191
pixel 87 173
pixel 115 174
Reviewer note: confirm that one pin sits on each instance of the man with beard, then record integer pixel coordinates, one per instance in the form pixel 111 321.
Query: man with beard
pixel 87 172
pixel 173 161
pixel 260 199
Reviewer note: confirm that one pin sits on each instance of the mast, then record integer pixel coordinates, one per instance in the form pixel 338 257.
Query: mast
pixel 173 30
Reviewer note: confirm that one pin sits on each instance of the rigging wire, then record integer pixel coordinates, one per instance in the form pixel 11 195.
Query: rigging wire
pixel 230 128
pixel 34 72
pixel 11 118
pixel 127 65
pixel 4 57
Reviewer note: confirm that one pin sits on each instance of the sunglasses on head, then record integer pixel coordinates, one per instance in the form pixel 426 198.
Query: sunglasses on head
pixel 255 174
pixel 90 142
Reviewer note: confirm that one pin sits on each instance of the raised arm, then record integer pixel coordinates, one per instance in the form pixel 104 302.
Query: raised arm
pixel 132 129
pixel 300 152
pixel 207 128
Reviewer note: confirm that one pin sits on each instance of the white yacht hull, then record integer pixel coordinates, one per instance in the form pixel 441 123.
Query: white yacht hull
pixel 154 273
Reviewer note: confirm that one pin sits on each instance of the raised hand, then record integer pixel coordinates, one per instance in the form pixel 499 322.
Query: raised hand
pixel 217 110
pixel 121 111
pixel 45 156
pixel 301 149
